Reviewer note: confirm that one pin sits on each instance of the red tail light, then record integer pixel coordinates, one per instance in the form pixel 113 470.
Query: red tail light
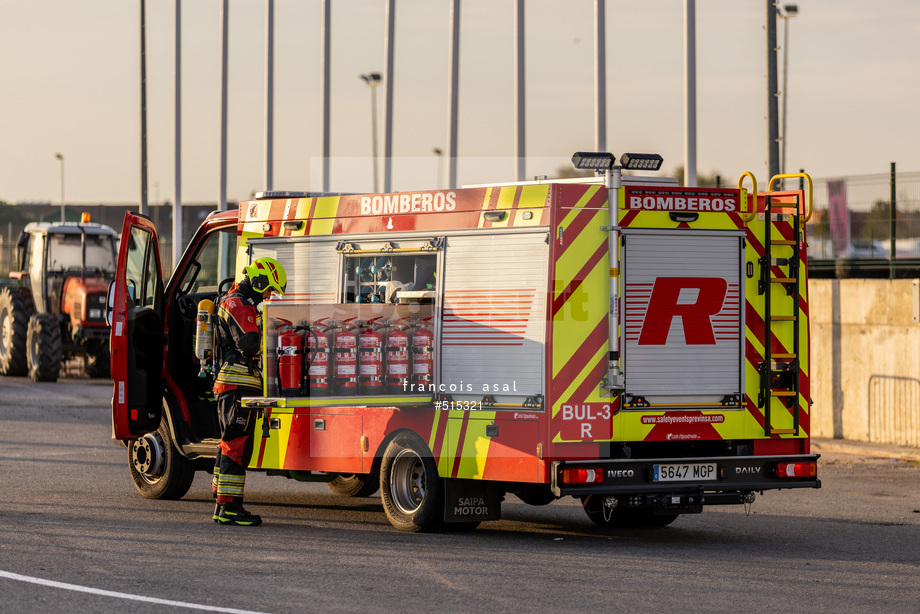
pixel 582 476
pixel 797 470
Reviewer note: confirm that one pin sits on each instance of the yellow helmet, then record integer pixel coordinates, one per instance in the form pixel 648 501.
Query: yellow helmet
pixel 267 273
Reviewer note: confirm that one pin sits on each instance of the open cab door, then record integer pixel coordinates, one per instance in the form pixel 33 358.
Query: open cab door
pixel 136 342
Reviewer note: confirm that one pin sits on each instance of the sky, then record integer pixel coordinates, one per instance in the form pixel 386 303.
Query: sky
pixel 70 75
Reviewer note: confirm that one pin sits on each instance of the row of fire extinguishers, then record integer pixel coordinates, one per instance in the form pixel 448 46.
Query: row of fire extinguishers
pixel 351 357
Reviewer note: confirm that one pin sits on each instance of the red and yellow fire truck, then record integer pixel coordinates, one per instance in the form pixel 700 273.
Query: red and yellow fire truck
pixel 635 344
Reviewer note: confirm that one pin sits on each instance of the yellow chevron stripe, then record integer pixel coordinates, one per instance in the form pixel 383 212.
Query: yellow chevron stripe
pixel 534 196
pixel 583 247
pixel 580 378
pixel 324 215
pixel 446 453
pixel 580 205
pixel 473 455
pixel 276 446
pixel 582 311
pixel 485 206
pixel 505 201
pixel 432 437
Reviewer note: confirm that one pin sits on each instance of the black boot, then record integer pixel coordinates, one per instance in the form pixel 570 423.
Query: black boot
pixel 216 516
pixel 235 514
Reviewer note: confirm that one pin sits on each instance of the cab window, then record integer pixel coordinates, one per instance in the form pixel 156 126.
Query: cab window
pixel 141 274
pixel 204 276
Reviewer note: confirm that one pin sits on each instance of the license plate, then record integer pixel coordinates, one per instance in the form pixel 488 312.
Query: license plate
pixel 683 472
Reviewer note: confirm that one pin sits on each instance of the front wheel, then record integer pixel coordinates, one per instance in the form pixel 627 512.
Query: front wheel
pixel 355 485
pixel 14 322
pixel 412 491
pixel 158 469
pixel 44 348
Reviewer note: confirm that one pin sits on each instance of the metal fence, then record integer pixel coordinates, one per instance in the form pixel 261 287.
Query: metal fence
pixel 894 410
pixel 852 217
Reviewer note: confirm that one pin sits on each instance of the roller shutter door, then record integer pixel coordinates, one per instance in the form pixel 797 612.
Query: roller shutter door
pixel 683 316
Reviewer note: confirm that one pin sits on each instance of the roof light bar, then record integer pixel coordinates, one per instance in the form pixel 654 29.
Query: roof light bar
pixel 596 160
pixel 641 162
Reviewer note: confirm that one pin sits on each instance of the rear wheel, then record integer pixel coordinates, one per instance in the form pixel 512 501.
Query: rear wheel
pixel 412 491
pixel 356 484
pixel 44 348
pixel 14 323
pixel 158 469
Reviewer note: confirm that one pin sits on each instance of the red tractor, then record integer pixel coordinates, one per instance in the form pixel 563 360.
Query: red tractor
pixel 53 308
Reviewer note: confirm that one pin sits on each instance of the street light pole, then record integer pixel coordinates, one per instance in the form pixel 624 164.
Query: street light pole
pixel 453 96
pixel 600 76
pixel 60 157
pixel 144 210
pixel 519 90
pixel 389 45
pixel 772 106
pixel 269 92
pixel 791 10
pixel 224 29
pixel 690 93
pixel 373 80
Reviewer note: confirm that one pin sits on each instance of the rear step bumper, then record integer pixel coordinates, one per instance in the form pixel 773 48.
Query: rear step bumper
pixel 721 474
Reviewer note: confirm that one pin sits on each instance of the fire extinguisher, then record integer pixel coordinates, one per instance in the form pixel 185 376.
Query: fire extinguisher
pixel 370 358
pixel 345 352
pixel 316 346
pixel 290 358
pixel 397 344
pixel 422 354
pixel 204 336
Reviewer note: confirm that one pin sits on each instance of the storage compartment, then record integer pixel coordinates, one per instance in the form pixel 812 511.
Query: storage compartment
pixel 684 323
pixel 390 278
pixel 348 350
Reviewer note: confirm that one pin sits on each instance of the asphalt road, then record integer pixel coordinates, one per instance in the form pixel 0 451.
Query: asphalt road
pixel 76 536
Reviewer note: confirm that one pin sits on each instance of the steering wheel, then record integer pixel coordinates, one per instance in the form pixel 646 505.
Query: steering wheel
pixel 224 285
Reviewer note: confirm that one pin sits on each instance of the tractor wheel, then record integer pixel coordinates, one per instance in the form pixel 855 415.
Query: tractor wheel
pixel 44 348
pixel 96 362
pixel 14 323
pixel 158 469
pixel 355 485
pixel 412 491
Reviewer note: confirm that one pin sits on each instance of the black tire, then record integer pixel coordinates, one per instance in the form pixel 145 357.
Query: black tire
pixel 627 517
pixel 355 484
pixel 158 469
pixel 44 348
pixel 96 362
pixel 411 490
pixel 14 323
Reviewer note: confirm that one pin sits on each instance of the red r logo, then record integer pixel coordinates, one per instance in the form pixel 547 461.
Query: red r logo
pixel 663 306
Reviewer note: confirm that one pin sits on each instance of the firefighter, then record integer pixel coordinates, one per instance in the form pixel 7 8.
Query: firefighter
pixel 238 344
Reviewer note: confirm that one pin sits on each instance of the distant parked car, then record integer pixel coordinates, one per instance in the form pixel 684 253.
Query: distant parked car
pixel 863 248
